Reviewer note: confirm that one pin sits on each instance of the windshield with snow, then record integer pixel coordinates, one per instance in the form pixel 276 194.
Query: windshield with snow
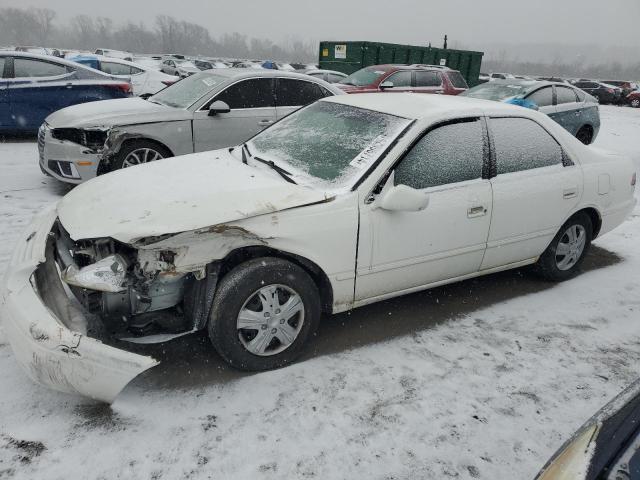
pixel 363 77
pixel 497 91
pixel 187 91
pixel 330 142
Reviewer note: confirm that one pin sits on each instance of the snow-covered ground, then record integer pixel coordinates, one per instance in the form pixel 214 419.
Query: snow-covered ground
pixel 483 379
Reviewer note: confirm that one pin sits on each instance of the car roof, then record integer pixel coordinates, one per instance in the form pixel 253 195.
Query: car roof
pixel 49 58
pixel 387 67
pixel 320 70
pixel 416 106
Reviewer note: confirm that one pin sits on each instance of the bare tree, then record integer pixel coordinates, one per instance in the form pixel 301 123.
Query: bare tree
pixel 44 20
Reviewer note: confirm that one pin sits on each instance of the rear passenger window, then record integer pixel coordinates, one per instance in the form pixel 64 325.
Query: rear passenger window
pixel 565 95
pixel 1 66
pixel 428 79
pixel 522 144
pixel 542 97
pixel 113 68
pixel 296 93
pixel 253 93
pixel 581 95
pixel 28 67
pixel 400 79
pixel 457 80
pixel 448 154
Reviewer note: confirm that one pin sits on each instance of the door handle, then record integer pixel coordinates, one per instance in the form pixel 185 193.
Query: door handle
pixel 264 123
pixel 439 91
pixel 476 211
pixel 570 193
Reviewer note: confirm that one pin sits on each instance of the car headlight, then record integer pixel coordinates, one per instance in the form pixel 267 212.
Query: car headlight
pixel 106 275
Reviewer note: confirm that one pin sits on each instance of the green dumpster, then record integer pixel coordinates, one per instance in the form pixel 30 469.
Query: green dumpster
pixel 348 57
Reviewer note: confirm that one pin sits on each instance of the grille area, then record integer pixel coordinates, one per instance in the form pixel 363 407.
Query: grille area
pixel 41 134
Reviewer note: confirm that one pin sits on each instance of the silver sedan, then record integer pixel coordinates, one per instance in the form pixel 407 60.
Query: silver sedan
pixel 210 110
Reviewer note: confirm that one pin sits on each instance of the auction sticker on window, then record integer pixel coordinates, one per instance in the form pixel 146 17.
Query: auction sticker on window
pixel 341 51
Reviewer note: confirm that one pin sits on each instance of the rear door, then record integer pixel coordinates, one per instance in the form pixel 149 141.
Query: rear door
pixel 568 109
pixel 37 89
pixel 252 105
pixel 292 94
pixel 535 188
pixel 428 82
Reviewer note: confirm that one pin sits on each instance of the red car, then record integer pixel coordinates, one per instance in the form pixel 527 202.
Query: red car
pixel 633 99
pixel 405 78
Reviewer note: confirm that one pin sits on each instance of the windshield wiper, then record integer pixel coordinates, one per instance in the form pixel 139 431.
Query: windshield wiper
pixel 283 173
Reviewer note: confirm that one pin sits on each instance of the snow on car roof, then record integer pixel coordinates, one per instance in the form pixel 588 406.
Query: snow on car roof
pixel 419 105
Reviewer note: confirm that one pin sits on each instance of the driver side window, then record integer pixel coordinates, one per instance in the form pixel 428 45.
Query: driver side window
pixel 447 154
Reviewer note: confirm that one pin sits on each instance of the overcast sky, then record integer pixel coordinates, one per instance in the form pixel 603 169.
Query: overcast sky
pixel 467 22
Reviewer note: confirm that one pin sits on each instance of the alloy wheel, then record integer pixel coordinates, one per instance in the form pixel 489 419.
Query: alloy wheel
pixel 140 156
pixel 570 247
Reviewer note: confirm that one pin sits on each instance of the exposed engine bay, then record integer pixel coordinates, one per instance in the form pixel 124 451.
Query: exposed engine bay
pixel 132 291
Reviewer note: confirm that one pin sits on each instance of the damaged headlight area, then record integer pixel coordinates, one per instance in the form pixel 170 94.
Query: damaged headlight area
pixel 93 139
pixel 131 290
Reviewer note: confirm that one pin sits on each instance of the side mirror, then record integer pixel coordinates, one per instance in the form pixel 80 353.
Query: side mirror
pixel 218 107
pixel 145 96
pixel 385 85
pixel 401 198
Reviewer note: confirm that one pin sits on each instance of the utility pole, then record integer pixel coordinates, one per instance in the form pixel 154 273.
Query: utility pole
pixel 445 42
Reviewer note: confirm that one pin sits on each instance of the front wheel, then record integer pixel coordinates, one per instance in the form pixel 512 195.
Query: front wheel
pixel 635 102
pixel 563 257
pixel 138 152
pixel 264 312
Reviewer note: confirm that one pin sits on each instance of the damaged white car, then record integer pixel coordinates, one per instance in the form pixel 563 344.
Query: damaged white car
pixel 351 200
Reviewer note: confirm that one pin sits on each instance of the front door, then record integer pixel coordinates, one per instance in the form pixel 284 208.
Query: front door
pixel 534 191
pixel 252 104
pixel 400 251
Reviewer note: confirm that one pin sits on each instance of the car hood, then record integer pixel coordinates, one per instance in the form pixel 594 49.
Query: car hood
pixel 108 113
pixel 177 195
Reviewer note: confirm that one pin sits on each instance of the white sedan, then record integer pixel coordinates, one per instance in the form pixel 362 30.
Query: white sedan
pixel 351 200
pixel 145 80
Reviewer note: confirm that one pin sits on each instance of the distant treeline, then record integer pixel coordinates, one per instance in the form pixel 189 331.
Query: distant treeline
pixel 38 26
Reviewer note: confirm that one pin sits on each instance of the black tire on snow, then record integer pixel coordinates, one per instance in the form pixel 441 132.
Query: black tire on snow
pixel 546 265
pixel 236 287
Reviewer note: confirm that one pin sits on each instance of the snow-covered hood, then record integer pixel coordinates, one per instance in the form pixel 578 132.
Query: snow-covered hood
pixel 109 113
pixel 177 195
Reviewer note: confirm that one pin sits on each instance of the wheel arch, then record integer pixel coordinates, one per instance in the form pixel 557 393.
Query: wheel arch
pixel 107 157
pixel 594 215
pixel 319 277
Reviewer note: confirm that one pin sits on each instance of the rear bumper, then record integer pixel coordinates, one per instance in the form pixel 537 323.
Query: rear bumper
pixel 47 329
pixel 66 161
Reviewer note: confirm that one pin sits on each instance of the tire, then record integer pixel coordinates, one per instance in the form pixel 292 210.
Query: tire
pixel 585 135
pixel 144 150
pixel 635 102
pixel 556 267
pixel 248 289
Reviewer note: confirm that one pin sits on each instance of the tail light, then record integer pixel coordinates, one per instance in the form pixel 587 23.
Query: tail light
pixel 124 87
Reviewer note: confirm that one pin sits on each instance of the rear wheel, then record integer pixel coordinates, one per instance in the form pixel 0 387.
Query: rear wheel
pixel 635 102
pixel 585 135
pixel 264 313
pixel 138 152
pixel 563 257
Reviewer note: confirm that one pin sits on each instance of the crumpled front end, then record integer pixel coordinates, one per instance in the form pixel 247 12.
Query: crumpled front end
pixel 47 328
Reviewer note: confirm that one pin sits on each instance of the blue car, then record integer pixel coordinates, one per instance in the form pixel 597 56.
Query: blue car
pixel 34 86
pixel 574 109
